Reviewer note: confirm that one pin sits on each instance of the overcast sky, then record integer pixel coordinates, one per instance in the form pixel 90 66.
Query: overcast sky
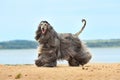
pixel 19 19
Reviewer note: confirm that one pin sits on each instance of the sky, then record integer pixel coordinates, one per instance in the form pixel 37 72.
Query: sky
pixel 19 19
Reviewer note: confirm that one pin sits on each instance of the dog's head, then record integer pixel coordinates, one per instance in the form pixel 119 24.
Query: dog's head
pixel 43 29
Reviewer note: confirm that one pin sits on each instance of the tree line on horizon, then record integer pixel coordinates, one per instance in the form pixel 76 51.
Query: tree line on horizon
pixel 26 44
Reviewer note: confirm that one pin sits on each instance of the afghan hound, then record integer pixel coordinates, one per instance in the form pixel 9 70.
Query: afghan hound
pixel 55 46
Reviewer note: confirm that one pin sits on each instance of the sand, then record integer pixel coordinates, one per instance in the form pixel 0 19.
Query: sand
pixel 92 71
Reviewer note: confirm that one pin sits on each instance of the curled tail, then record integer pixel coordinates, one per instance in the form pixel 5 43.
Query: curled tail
pixel 78 33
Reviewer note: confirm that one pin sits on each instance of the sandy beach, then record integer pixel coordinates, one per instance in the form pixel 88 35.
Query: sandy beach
pixel 92 71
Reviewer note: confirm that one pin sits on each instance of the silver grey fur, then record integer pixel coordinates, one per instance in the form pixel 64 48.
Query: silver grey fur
pixel 60 46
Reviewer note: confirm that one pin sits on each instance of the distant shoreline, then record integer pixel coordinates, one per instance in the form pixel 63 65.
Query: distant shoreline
pixel 27 44
pixel 36 48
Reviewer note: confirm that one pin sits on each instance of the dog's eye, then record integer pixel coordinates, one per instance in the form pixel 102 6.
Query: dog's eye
pixel 45 24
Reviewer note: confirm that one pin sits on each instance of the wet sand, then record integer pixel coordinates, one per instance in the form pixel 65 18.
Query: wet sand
pixel 92 71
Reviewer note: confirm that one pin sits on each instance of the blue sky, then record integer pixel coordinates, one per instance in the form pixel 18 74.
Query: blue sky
pixel 19 18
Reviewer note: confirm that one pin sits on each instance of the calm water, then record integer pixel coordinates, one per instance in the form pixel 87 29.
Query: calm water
pixel 27 56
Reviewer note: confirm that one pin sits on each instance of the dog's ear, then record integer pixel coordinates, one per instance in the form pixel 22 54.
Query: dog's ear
pixel 49 27
pixel 38 33
pixel 37 36
pixel 39 27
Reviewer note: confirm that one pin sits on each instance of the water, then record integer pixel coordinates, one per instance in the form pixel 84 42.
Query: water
pixel 22 56
pixel 105 55
pixel 27 56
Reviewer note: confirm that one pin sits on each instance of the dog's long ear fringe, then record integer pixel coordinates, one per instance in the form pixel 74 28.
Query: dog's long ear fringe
pixel 38 33
pixel 78 33
pixel 49 26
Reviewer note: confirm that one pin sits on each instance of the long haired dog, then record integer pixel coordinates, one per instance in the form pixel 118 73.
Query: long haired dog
pixel 54 46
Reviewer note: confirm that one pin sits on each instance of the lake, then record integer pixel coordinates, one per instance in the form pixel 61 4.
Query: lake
pixel 27 56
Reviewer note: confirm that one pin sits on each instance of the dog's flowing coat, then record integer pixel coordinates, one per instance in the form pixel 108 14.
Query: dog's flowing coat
pixel 54 46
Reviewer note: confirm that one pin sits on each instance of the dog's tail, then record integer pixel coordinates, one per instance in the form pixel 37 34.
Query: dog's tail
pixel 78 33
